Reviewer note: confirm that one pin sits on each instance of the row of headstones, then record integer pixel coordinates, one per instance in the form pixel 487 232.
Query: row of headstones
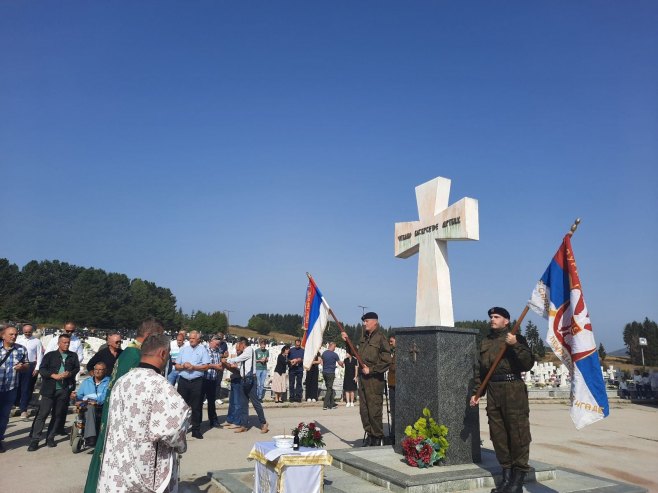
pixel 548 373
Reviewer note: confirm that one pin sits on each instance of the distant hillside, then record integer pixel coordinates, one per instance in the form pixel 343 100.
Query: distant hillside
pixel 246 332
pixel 622 353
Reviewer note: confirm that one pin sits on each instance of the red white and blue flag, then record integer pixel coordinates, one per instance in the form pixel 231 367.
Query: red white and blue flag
pixel 558 297
pixel 316 316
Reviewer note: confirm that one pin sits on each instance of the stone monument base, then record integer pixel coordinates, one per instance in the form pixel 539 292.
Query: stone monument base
pixel 381 470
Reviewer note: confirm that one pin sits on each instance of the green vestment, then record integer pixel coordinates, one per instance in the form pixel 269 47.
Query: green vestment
pixel 128 359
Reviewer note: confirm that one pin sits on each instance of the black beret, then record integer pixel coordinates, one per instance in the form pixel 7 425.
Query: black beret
pixel 499 311
pixel 371 315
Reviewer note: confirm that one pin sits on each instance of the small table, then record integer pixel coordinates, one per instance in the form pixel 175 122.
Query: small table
pixel 279 470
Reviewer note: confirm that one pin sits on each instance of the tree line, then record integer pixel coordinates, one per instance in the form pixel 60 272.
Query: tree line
pixel 291 324
pixel 54 292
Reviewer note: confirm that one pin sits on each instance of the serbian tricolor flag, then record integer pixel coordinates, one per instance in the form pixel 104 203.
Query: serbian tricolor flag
pixel 316 316
pixel 558 297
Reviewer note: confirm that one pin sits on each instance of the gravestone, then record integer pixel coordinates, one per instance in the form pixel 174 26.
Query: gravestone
pixel 434 360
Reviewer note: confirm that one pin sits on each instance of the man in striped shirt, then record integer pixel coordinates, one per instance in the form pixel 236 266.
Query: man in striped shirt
pixel 210 379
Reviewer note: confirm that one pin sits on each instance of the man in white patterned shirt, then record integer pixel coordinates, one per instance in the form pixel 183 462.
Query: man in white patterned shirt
pixel 146 427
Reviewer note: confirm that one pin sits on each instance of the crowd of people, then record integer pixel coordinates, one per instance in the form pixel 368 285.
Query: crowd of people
pixel 156 380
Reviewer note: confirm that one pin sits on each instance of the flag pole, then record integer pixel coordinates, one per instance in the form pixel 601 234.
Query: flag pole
pixel 340 326
pixel 514 330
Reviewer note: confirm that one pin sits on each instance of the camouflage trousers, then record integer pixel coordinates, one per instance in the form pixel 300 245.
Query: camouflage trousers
pixel 509 423
pixel 371 402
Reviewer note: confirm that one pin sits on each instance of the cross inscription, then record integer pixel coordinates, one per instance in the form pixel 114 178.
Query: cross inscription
pixel 429 237
pixel 414 350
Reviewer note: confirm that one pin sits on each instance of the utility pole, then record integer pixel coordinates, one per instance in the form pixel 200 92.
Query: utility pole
pixel 363 309
pixel 643 342
pixel 228 323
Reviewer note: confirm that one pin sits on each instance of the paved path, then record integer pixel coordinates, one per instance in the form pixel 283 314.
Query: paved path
pixel 622 447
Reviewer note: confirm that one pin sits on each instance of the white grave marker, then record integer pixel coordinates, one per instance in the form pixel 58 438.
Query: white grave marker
pixel 429 237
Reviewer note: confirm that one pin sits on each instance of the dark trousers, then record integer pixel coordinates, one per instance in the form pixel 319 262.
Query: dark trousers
pixel 59 404
pixel 210 393
pixel 329 395
pixel 295 379
pixel 192 393
pixel 7 399
pixel 220 376
pixel 371 401
pixel 26 383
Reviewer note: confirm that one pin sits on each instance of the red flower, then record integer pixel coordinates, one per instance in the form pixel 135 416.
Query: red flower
pixel 317 435
pixel 311 426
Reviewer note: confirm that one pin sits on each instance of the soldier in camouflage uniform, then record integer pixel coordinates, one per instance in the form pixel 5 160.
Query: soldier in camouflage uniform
pixel 507 399
pixel 376 355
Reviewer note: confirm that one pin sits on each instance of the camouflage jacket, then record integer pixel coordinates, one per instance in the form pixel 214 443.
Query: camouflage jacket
pixel 375 351
pixel 517 358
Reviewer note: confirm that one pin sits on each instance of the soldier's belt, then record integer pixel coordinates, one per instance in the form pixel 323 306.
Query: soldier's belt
pixel 505 377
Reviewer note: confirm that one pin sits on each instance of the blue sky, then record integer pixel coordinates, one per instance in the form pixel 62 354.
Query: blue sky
pixel 223 149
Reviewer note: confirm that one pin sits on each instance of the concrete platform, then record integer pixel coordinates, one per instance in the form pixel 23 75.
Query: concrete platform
pixel 380 470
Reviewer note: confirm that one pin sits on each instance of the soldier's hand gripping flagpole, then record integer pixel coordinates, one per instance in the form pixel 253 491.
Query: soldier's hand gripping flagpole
pixel 514 330
pixel 342 329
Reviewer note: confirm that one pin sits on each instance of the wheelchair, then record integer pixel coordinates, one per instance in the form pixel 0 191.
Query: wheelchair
pixel 77 436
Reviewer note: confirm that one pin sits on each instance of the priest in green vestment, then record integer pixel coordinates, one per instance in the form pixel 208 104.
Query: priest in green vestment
pixel 128 359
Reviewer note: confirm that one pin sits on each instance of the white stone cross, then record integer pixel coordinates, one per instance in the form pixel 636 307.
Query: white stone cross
pixel 430 235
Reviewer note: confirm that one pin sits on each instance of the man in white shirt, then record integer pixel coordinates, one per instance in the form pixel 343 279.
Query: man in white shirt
pixel 76 343
pixel 246 363
pixel 174 349
pixel 28 379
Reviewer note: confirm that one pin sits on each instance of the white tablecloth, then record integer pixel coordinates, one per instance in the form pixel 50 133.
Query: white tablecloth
pixel 288 471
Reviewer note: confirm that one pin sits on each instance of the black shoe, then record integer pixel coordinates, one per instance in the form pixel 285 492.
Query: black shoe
pixel 375 441
pixel 516 482
pixel 2 448
pixel 507 475
pixel 197 434
pixel 51 442
pixel 366 442
pixel 34 444
pixel 90 442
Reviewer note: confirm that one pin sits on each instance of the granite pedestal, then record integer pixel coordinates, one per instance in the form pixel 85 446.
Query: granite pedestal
pixel 435 370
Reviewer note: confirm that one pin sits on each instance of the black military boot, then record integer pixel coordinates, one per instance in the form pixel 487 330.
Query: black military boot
pixel 516 483
pixel 507 475
pixel 375 441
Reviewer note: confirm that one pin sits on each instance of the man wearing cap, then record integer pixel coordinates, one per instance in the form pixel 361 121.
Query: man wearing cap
pixel 376 356
pixel 507 399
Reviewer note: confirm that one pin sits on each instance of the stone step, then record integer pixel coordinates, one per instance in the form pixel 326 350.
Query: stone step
pixel 335 481
pixel 388 471
pixel 383 467
pixel 338 481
